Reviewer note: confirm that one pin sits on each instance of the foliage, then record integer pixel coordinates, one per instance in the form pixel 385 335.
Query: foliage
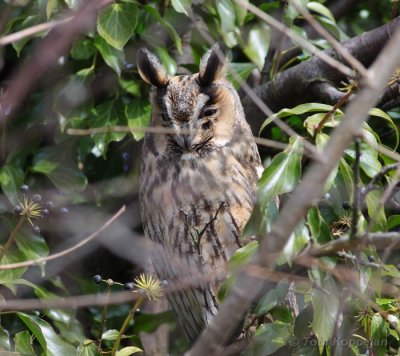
pixel 96 86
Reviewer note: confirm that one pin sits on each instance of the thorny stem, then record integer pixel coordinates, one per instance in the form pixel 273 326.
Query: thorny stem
pixel 125 325
pixel 12 236
pixel 103 318
pixel 356 193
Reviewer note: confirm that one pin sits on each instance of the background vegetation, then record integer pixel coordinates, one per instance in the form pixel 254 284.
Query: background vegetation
pixel 73 111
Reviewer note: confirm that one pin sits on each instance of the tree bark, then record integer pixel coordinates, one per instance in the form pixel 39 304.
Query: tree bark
pixel 316 81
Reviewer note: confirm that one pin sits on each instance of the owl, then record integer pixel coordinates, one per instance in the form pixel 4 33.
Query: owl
pixel 197 181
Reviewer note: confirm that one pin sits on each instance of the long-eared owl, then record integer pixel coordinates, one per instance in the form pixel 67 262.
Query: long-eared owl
pixel 197 183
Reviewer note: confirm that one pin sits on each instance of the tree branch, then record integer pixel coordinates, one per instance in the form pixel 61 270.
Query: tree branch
pixel 247 288
pixel 314 80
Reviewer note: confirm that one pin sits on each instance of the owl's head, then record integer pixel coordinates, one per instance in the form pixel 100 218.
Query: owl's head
pixel 202 110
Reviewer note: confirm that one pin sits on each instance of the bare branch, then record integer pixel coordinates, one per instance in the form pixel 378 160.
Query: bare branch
pixel 68 250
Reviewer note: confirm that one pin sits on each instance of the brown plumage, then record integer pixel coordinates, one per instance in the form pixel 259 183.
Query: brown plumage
pixel 197 183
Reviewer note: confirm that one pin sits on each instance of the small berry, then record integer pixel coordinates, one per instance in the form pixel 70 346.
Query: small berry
pixel 346 205
pixel 125 156
pixel 17 209
pixel 125 167
pixel 129 286
pixel 164 283
pixel 371 258
pixel 97 279
pixel 46 212
pixel 64 210
pixel 138 312
pixel 24 189
pixel 37 198
pixel 36 230
pixel 50 204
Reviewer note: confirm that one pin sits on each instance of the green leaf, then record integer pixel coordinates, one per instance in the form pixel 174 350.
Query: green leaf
pixel 11 178
pixel 166 60
pixel 48 339
pixel 59 165
pixel 273 298
pixel 226 12
pixel 298 110
pixel 129 350
pixel 138 113
pixel 320 9
pixel 393 222
pixel 268 339
pixel 50 7
pixel 112 56
pixel 172 32
pixel 325 302
pixel 257 44
pixel 243 255
pixel 297 241
pixel 182 6
pixel 4 339
pixel 378 332
pixel 89 348
pixel 376 211
pixel 379 113
pixel 281 176
pixel 23 343
pixel 321 141
pixel 83 49
pixel 111 334
pixel 243 70
pixel 117 23
pixel 319 228
pixel 106 116
pixel 241 11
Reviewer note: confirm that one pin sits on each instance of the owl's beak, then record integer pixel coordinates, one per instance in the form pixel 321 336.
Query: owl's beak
pixel 185 139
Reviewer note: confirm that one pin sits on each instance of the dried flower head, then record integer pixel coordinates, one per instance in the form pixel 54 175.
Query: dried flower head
pixel 395 78
pixel 150 285
pixel 31 209
pixel 351 86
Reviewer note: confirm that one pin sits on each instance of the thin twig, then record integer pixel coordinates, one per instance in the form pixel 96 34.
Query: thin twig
pixel 12 236
pixel 298 39
pixel 373 183
pixel 356 191
pixel 103 318
pixel 160 130
pixel 30 31
pixel 336 45
pixel 68 250
pixel 125 325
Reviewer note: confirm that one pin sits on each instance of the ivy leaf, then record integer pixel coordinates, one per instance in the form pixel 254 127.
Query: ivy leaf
pixel 320 9
pixel 297 241
pixel 166 60
pixel 243 255
pixel 106 116
pixel 129 350
pixel 117 23
pixel 23 343
pixel 325 302
pixel 4 339
pixel 48 339
pixel 298 110
pixel 379 113
pixel 257 45
pixel 138 113
pixel 171 30
pixel 182 6
pixel 83 49
pixel 89 348
pixel 243 70
pixel 112 56
pixel 268 339
pixel 281 176
pixel 227 16
pixel 111 335
pixel 11 178
pixel 59 165
pixel 376 211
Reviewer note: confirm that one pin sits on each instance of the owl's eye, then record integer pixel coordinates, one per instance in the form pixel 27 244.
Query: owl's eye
pixel 164 117
pixel 206 125
pixel 209 112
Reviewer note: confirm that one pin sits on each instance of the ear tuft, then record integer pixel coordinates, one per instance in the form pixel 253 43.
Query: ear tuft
pixel 212 65
pixel 150 68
